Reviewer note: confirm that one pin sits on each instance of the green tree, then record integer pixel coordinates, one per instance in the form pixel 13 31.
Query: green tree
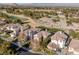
pixel 5 49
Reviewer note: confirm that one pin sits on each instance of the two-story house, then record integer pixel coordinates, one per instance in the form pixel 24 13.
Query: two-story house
pixel 30 32
pixel 38 38
pixel 59 39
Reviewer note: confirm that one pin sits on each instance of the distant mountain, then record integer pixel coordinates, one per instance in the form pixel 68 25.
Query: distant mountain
pixel 8 5
pixel 51 4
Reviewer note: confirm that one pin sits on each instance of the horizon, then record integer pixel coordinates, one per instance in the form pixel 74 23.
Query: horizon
pixel 41 4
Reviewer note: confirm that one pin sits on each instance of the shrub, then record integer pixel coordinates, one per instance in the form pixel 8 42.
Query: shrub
pixel 49 29
pixel 74 34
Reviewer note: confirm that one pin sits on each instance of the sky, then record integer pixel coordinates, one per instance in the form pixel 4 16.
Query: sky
pixel 45 4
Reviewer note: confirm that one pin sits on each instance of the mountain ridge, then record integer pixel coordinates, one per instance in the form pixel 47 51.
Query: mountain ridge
pixel 19 5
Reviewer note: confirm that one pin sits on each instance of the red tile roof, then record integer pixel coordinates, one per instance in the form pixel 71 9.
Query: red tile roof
pixel 59 36
pixel 74 44
pixel 52 46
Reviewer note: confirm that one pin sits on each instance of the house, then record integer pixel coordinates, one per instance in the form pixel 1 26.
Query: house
pixel 30 32
pixel 38 36
pixel 52 46
pixel 37 39
pixel 41 35
pixel 59 43
pixel 35 45
pixel 25 35
pixel 22 38
pixel 59 38
pixel 2 22
pixel 15 28
pixel 74 47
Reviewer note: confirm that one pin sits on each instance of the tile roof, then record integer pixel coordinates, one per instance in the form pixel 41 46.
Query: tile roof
pixel 43 34
pixel 74 44
pixel 59 36
pixel 2 22
pixel 52 46
pixel 14 26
